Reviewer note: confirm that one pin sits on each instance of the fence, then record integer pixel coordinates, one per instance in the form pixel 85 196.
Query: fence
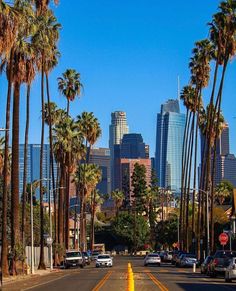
pixel 37 256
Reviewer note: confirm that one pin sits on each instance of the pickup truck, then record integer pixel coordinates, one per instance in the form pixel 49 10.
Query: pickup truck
pixel 74 259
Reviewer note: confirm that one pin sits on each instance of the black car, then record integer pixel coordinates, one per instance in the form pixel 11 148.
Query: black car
pixel 220 262
pixel 205 264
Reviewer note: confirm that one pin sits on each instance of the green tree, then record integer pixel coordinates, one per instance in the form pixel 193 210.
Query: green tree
pixel 118 198
pixel 139 185
pixel 134 237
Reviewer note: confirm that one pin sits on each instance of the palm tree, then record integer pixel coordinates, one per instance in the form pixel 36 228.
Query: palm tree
pixel 85 178
pixel 222 192
pixel 44 40
pixel 118 198
pixel 96 200
pixel 70 86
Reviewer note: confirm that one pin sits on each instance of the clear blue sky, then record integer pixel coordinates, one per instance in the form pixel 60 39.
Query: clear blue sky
pixel 129 54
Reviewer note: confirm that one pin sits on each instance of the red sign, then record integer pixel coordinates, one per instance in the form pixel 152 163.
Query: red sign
pixel 223 238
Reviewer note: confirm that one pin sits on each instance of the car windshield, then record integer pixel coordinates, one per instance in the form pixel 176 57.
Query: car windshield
pixel 85 254
pixel 153 256
pixel 104 257
pixel 73 254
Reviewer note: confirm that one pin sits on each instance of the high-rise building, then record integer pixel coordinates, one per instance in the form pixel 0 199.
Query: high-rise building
pixel 33 165
pixel 101 157
pixel 132 146
pixel 117 129
pixel 169 142
pixel 222 144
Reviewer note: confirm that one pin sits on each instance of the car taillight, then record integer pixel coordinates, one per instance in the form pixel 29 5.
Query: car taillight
pixel 215 261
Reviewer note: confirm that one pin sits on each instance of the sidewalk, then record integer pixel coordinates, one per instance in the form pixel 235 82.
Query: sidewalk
pixel 12 279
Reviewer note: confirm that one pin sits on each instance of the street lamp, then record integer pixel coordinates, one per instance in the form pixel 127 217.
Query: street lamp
pixel 50 240
pixel 32 221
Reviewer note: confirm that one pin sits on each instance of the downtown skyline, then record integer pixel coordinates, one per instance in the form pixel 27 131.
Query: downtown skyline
pixel 107 61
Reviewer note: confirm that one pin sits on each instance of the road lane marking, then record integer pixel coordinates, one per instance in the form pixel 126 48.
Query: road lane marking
pixel 156 282
pixel 48 282
pixel 102 281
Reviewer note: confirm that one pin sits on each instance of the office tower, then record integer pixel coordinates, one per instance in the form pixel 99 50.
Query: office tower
pixel 33 166
pixel 126 170
pixel 117 129
pixel 225 169
pixel 169 142
pixel 101 157
pixel 222 144
pixel 132 146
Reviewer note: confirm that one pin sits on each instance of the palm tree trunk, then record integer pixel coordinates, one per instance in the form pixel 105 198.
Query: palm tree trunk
pixel 191 140
pixel 61 207
pixel 25 165
pixel 42 265
pixel 51 157
pixel 67 204
pixel 4 252
pixel 93 206
pixel 15 226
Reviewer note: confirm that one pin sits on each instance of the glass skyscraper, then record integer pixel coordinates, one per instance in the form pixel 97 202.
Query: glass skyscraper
pixel 33 165
pixel 169 142
pixel 117 129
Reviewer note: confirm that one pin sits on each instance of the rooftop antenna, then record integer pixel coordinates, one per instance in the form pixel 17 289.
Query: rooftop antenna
pixel 178 89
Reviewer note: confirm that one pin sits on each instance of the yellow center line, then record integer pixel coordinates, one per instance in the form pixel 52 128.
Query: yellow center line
pixel 102 281
pixel 156 282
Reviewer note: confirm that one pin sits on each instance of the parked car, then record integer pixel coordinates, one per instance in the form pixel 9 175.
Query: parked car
pixel 104 260
pixel 162 255
pixel 187 260
pixel 230 272
pixel 94 255
pixel 86 257
pixel 178 259
pixel 152 259
pixel 220 262
pixel 74 259
pixel 168 256
pixel 205 264
pixel 175 257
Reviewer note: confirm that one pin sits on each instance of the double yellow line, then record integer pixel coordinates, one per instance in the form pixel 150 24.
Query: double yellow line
pixel 102 282
pixel 156 282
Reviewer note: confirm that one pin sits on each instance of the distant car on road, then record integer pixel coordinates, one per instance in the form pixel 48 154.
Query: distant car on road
pixel 168 256
pixel 94 255
pixel 205 264
pixel 86 257
pixel 230 272
pixel 187 260
pixel 220 262
pixel 152 259
pixel 74 259
pixel 104 260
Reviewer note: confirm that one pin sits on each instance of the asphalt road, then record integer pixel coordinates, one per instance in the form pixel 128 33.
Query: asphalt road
pixel 149 278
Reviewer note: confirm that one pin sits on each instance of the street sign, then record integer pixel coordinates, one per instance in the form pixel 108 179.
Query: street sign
pixel 49 241
pixel 223 238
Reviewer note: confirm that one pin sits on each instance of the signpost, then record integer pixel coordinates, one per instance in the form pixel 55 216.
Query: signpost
pixel 223 239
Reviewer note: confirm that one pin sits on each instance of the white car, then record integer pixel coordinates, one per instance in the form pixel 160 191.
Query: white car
pixel 104 260
pixel 230 272
pixel 152 259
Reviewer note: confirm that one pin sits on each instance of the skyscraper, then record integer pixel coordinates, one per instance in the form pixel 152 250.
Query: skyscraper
pixel 33 165
pixel 117 129
pixel 101 157
pixel 169 142
pixel 132 146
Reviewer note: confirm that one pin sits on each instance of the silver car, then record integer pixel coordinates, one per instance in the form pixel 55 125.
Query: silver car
pixel 230 272
pixel 152 259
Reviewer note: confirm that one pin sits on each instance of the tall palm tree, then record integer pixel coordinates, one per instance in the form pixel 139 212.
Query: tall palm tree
pixel 70 86
pixel 96 200
pixel 87 177
pixel 44 40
